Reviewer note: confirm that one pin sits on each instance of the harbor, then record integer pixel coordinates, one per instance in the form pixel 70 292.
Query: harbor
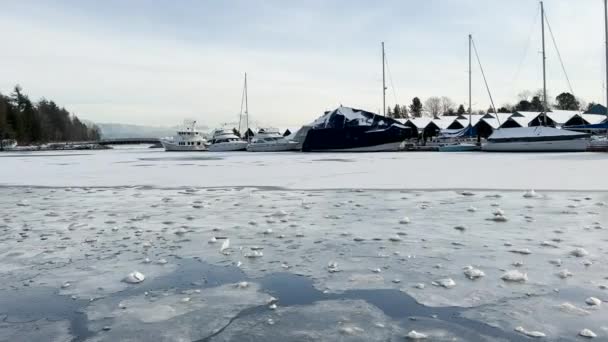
pixel 304 171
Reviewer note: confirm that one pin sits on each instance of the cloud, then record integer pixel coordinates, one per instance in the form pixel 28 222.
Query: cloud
pixel 158 62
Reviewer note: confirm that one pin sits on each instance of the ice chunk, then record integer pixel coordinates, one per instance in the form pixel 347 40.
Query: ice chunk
pixel 134 278
pixel 447 283
pixel 473 273
pixel 579 252
pixel 498 218
pixel 414 335
pixel 587 333
pixel 523 251
pixel 225 245
pixel 530 194
pixel 536 334
pixel 515 276
pixel 573 309
pixel 280 213
pixel 564 274
pixel 461 228
pixel 405 220
pixel 592 301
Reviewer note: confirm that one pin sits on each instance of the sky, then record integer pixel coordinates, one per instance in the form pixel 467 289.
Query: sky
pixel 160 62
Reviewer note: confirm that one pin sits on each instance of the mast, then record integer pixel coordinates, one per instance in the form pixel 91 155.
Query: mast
pixel 470 111
pixel 606 32
pixel 383 84
pixel 246 109
pixel 542 23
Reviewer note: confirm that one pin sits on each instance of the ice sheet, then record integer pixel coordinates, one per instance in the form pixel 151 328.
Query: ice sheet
pixel 557 171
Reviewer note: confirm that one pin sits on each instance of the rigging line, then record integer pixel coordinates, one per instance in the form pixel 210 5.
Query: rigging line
pixel 559 56
pixel 485 80
pixel 528 43
pixel 390 78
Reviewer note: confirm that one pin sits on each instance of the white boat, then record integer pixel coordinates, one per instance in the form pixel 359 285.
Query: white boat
pixel 459 147
pixel 270 140
pixel 8 144
pixel 540 138
pixel 224 140
pixel 536 139
pixel 186 139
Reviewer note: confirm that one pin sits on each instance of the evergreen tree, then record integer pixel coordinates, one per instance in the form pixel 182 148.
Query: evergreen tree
pixel 28 122
pixel 404 112
pixel 523 106
pixel 567 101
pixel 461 110
pixel 536 105
pixel 416 108
pixel 397 112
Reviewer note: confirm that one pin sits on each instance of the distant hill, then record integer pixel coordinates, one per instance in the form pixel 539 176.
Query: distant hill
pixel 115 131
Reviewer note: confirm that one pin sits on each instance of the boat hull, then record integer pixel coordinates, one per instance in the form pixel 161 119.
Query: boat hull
pixel 459 148
pixel 280 147
pixel 570 145
pixel 228 146
pixel 388 147
pixel 355 139
pixel 173 147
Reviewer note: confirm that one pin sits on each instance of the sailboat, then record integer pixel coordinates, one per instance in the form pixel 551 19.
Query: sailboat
pixel 540 138
pixel 348 129
pixel 463 146
pixel 224 139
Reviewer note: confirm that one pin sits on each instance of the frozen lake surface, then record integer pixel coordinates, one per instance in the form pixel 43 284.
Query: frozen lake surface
pixel 420 170
pixel 302 247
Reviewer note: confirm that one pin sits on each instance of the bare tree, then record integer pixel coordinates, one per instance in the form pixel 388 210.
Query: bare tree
pixel 525 95
pixel 447 105
pixel 433 106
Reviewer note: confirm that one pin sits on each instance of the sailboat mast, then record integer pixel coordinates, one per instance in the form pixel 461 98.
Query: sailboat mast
pixel 606 32
pixel 470 110
pixel 542 23
pixel 383 84
pixel 246 110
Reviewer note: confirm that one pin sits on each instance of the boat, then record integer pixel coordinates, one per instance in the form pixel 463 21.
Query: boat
pixel 8 144
pixel 347 129
pixel 225 140
pixel 271 140
pixel 354 130
pixel 461 140
pixel 188 138
pixel 537 138
pixel 459 147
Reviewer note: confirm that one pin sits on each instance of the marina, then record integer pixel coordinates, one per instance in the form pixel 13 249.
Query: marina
pixel 346 199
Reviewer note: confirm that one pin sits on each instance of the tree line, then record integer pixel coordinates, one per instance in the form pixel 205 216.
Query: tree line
pixel 443 106
pixel 39 122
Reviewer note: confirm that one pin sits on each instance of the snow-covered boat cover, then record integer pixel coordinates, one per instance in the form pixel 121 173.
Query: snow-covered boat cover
pixel 350 117
pixel 534 133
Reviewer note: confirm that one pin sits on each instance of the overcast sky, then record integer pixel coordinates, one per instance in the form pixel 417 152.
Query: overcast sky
pixel 158 62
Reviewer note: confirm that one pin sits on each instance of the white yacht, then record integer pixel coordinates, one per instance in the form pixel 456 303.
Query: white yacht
pixel 271 140
pixel 225 140
pixel 186 139
pixel 536 139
